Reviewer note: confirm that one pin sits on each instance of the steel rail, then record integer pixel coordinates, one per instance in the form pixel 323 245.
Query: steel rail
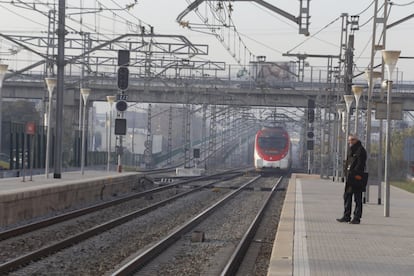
pixel 236 259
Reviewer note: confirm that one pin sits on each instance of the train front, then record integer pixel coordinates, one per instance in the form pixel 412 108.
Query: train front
pixel 272 150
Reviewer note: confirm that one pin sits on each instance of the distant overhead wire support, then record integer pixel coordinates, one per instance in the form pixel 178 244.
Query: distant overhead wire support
pixel 138 27
pixel 94 10
pixel 219 23
pixel 217 20
pixel 173 49
pixel 329 24
pixel 302 20
pixel 79 27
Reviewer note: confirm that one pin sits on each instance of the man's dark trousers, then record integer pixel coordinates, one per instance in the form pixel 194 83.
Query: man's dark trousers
pixel 348 204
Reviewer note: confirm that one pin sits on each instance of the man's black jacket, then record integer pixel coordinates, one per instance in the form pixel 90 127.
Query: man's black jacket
pixel 355 165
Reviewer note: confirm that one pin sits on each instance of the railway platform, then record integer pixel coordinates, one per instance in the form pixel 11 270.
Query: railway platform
pixel 24 198
pixel 310 241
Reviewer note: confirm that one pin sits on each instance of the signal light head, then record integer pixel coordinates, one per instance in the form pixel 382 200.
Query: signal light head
pixel 121 106
pixel 311 115
pixel 123 76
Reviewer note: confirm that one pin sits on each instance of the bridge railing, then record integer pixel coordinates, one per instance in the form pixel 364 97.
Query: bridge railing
pixel 220 79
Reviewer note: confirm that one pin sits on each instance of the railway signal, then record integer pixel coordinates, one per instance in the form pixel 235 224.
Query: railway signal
pixel 311 115
pixel 123 78
pixel 309 145
pixel 121 106
pixel 123 57
pixel 120 126
pixel 123 71
pixel 311 111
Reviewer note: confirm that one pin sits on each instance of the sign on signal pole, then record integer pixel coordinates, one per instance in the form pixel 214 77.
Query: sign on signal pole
pixel 31 128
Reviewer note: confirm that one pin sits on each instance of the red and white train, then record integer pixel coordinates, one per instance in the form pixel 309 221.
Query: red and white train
pixel 272 150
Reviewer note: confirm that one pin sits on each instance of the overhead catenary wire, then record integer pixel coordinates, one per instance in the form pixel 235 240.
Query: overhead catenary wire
pixel 402 5
pixel 22 16
pixel 261 43
pixel 370 38
pixel 382 32
pixel 288 23
pixel 312 36
pixel 235 40
pixel 93 30
pixel 213 27
pixel 364 10
pixel 329 24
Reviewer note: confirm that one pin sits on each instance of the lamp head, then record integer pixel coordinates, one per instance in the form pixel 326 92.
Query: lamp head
pixel 110 99
pixel 357 90
pixel 85 93
pixel 348 101
pixel 340 108
pixel 3 70
pixel 51 84
pixel 375 75
pixel 390 60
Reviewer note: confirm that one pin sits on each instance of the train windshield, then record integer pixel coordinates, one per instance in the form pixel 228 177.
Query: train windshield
pixel 272 142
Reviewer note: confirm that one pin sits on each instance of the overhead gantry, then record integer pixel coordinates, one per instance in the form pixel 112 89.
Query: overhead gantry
pixel 302 20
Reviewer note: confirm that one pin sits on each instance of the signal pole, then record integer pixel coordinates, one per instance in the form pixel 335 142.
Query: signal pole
pixel 121 104
pixel 310 134
pixel 61 32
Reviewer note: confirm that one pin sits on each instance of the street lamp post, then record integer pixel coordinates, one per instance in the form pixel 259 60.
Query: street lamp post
pixel 348 102
pixel 357 90
pixel 85 94
pixel 371 77
pixel 51 84
pixel 390 60
pixel 110 100
pixel 132 136
pixel 3 70
pixel 340 109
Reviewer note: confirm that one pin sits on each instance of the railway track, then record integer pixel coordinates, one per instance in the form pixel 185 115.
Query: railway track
pixel 235 258
pixel 77 238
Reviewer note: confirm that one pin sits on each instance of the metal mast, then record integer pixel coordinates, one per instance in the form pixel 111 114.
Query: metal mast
pixel 57 164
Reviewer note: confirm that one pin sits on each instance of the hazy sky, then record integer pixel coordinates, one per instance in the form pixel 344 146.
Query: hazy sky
pixel 262 31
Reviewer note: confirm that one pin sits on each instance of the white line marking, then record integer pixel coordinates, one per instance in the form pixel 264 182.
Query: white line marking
pixel 300 260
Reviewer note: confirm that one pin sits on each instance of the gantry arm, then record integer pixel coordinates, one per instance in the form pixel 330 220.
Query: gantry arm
pixel 302 20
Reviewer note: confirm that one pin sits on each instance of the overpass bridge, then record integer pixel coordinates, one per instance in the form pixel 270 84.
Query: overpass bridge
pixel 211 91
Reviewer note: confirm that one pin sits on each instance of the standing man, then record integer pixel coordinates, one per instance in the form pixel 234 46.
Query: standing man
pixel 353 170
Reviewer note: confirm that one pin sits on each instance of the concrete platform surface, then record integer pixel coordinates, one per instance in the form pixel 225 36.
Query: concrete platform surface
pixel 319 245
pixel 24 200
pixel 14 184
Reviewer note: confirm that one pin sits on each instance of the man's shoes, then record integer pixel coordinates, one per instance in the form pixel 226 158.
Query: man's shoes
pixel 343 219
pixel 355 221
